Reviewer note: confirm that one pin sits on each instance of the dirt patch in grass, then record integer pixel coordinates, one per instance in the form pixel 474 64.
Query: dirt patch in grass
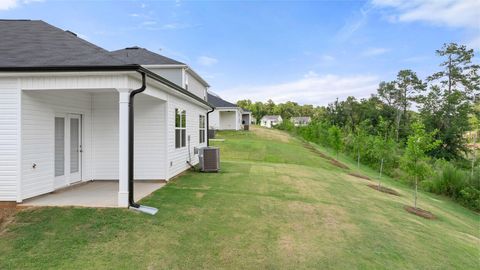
pixel 339 164
pixel 199 195
pixel 333 161
pixel 384 189
pixel 360 176
pixel 6 215
pixel 419 212
pixel 316 151
pixel 271 134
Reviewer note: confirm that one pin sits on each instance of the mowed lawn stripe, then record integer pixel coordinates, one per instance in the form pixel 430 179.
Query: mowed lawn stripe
pixel 274 205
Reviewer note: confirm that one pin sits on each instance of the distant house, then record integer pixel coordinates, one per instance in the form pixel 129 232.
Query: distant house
pixel 270 120
pixel 301 121
pixel 227 115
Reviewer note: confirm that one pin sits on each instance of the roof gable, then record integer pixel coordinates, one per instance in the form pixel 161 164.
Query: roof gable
pixel 218 102
pixel 141 56
pixel 271 117
pixel 35 43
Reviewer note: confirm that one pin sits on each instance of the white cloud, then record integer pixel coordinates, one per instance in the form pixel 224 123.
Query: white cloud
pixel 454 13
pixel 310 89
pixel 9 4
pixel 149 23
pixel 375 51
pixel 354 24
pixel 174 26
pixel 474 43
pixel 207 61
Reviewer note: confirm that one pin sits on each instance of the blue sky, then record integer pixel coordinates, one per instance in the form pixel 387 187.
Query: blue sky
pixel 304 51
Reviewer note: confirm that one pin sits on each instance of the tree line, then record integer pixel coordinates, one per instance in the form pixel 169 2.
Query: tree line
pixel 427 146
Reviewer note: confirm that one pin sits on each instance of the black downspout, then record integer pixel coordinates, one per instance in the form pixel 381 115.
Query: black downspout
pixel 208 126
pixel 131 129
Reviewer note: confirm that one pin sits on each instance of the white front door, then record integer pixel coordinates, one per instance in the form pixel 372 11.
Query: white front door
pixel 68 149
pixel 75 148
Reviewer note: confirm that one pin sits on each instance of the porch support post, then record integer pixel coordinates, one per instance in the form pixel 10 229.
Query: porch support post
pixel 124 98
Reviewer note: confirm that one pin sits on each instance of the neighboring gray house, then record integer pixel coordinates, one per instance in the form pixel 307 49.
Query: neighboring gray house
pixel 64 113
pixel 270 120
pixel 227 115
pixel 301 120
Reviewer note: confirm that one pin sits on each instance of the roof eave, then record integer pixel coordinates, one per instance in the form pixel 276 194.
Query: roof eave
pixel 90 68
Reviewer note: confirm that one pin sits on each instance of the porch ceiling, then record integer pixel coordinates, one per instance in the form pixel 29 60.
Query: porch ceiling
pixel 92 194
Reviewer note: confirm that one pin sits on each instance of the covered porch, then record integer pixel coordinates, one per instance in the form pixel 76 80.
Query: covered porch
pixel 92 194
pixel 76 133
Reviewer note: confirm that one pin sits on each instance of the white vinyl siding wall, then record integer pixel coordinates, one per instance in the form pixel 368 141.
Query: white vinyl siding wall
pixel 39 109
pixel 9 139
pixel 172 74
pixel 195 87
pixel 100 140
pixel 177 158
pixel 149 137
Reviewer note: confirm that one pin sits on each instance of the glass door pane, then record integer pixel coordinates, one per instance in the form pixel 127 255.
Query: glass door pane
pixel 59 146
pixel 74 145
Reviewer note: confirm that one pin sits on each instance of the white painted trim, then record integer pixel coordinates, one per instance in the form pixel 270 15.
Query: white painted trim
pixel 19 142
pixel 124 99
pixel 165 66
pixel 167 160
pixel 64 74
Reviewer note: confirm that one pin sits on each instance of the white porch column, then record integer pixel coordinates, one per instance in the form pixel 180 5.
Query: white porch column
pixel 124 98
pixel 237 121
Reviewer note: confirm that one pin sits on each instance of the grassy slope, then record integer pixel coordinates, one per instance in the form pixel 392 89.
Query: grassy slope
pixel 274 205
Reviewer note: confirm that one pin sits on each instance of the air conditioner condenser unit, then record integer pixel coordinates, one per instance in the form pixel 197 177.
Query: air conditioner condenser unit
pixel 209 159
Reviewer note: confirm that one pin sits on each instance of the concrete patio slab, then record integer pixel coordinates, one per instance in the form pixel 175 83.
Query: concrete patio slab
pixel 92 194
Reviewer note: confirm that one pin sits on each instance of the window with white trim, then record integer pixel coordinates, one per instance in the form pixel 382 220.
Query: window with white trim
pixel 180 128
pixel 201 126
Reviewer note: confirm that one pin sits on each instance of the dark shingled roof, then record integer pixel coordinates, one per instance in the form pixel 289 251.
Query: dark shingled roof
pixel 217 102
pixel 32 43
pixel 141 56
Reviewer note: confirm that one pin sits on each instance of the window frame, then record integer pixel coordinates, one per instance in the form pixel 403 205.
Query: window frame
pixel 202 128
pixel 180 128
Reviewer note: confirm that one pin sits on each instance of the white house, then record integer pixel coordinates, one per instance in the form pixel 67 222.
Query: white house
pixel 270 120
pixel 227 116
pixel 64 114
pixel 172 70
pixel 301 120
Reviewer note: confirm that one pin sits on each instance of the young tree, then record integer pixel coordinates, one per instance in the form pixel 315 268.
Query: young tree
pixel 383 148
pixel 335 139
pixel 414 160
pixel 359 141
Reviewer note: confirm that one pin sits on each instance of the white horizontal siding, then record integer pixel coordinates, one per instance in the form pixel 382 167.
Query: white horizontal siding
pixel 60 82
pixel 196 87
pixel 228 120
pixel 214 120
pixel 149 137
pixel 172 74
pixel 105 136
pixel 39 109
pixel 177 158
pixel 9 142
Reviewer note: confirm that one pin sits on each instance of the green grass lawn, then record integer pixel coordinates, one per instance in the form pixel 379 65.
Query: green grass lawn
pixel 274 205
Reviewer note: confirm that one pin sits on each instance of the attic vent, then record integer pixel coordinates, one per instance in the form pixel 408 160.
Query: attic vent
pixel 70 32
pixel 132 48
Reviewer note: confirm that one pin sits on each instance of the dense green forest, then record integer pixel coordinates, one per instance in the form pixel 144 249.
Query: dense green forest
pixel 423 131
